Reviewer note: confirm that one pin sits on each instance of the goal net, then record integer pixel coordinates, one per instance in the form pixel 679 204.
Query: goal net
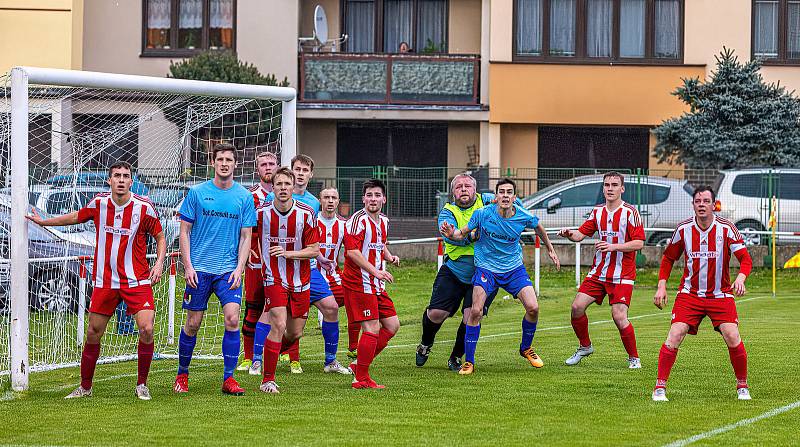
pixel 78 124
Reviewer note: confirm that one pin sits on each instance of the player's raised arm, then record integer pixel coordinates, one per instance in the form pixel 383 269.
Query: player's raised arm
pixel 551 251
pixel 671 254
pixel 66 219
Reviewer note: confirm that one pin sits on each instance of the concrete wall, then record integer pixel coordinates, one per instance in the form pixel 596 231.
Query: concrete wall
pixel 459 136
pixel 39 34
pixel 520 145
pixel 464 33
pixel 317 139
pixel 501 17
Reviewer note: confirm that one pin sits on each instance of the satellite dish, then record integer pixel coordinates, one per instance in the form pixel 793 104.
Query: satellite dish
pixel 320 25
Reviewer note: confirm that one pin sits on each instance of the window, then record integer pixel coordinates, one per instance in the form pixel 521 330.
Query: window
pixel 645 194
pixel 790 186
pixel 184 27
pixel 599 31
pixel 776 31
pixel 382 25
pixel 750 185
pixel 588 194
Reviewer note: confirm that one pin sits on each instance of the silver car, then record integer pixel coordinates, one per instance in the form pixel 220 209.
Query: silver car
pixel 662 202
pixel 744 198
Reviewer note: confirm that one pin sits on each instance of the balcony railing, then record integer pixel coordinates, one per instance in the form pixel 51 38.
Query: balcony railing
pixel 389 78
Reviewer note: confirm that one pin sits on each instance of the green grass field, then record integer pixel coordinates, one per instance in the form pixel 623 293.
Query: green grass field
pixel 506 402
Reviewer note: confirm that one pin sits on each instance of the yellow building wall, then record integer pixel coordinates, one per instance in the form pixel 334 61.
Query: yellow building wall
pixel 317 139
pixel 585 94
pixel 464 35
pixel 520 146
pixel 38 33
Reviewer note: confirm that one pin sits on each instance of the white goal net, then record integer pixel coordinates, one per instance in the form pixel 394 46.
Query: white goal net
pixel 77 128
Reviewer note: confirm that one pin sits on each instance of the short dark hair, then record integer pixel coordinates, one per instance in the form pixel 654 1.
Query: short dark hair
pixel 614 174
pixel 704 188
pixel 120 165
pixel 505 181
pixel 283 170
pixel 302 158
pixel 373 183
pixel 223 147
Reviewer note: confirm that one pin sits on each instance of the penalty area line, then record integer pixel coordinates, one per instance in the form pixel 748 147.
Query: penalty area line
pixel 735 425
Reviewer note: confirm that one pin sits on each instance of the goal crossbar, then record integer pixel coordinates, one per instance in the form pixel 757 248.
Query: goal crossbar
pixel 21 78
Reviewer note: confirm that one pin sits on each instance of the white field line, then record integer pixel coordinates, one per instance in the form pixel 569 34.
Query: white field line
pixel 414 345
pixel 735 425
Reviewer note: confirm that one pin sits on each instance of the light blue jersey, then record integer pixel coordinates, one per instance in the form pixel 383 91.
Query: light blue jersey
pixel 464 266
pixel 217 217
pixel 498 249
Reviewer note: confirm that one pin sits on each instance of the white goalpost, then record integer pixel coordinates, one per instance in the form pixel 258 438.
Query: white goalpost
pixel 59 132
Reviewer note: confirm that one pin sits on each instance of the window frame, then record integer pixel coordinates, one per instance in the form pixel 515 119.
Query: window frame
pixel 378 27
pixel 783 35
pixel 581 32
pixel 174 51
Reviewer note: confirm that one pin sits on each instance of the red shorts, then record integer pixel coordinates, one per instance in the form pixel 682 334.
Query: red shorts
pixel 105 301
pixel 297 303
pixel 338 293
pixel 254 287
pixel 617 293
pixel 362 306
pixel 690 309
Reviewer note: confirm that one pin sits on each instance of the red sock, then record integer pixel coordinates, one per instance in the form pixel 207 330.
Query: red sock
pixel 91 352
pixel 581 327
pixel 272 350
pixel 666 358
pixel 739 361
pixel 629 340
pixel 383 339
pixel 247 341
pixel 145 354
pixel 366 352
pixel 353 329
pixel 294 351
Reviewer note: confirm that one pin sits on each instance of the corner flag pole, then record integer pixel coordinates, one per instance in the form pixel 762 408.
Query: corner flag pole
pixel 773 222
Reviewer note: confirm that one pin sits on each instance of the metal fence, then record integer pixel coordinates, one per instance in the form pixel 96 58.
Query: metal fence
pixel 663 197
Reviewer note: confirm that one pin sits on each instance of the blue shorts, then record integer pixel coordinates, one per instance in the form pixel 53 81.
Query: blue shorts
pixel 319 287
pixel 512 281
pixel 197 298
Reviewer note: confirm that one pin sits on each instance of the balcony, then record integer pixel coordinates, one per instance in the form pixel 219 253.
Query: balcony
pixel 352 78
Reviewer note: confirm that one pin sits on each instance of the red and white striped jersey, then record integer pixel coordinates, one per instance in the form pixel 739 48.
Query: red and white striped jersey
pixel 294 231
pixel 706 256
pixel 622 225
pixel 369 237
pixel 120 254
pixel 331 235
pixel 259 197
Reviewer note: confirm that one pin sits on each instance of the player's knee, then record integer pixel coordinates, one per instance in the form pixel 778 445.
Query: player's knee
pixel 94 333
pixel 232 321
pixel 437 316
pixel 533 311
pixel 731 336
pixel 191 326
pixel 146 333
pixel 577 310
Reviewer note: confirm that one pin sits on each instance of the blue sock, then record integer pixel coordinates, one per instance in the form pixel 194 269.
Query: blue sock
pixel 330 333
pixel 230 352
pixel 471 342
pixel 185 350
pixel 262 330
pixel 528 329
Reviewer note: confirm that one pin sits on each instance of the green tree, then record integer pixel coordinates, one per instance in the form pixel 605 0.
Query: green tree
pixel 735 120
pixel 253 126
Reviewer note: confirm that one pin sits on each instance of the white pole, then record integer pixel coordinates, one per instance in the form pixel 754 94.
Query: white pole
pixel 537 264
pixel 577 265
pixel 171 305
pixel 19 229
pixel 288 131
pixel 81 302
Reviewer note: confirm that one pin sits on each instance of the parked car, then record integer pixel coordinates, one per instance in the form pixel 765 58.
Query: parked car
pixel 744 196
pixel 662 202
pixel 53 285
pixel 62 200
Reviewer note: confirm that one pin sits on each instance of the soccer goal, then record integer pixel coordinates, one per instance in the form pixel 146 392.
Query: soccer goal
pixel 60 130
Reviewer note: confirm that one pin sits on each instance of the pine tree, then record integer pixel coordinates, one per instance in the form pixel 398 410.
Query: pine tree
pixel 735 120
